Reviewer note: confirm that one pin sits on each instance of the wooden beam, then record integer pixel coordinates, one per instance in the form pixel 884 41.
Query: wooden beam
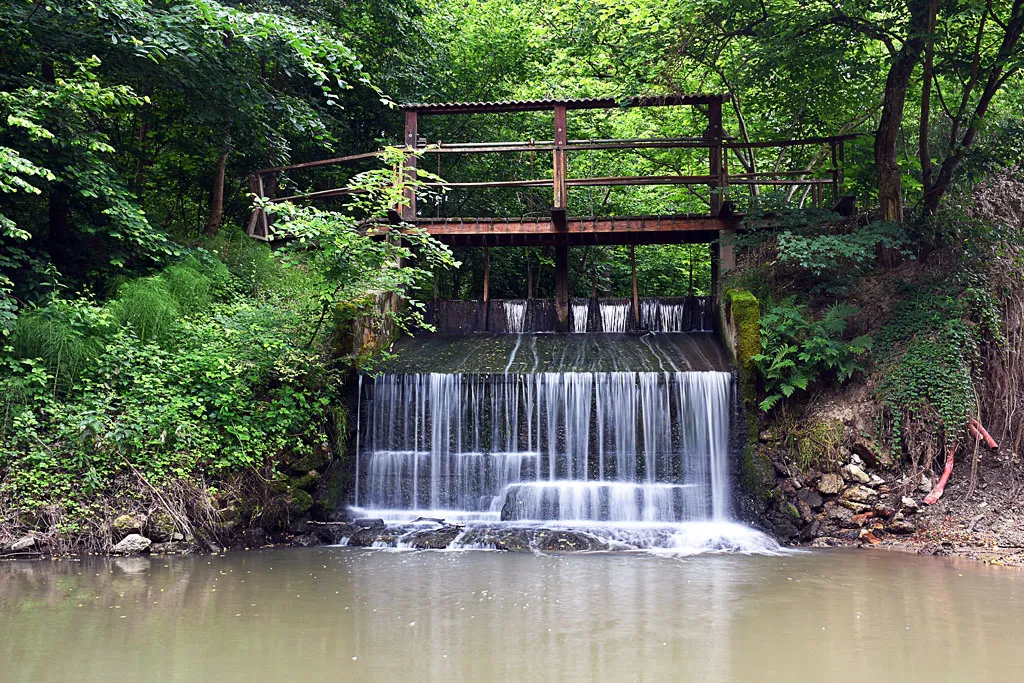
pixel 581 226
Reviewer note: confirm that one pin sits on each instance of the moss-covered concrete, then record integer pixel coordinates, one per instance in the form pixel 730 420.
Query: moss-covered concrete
pixel 741 333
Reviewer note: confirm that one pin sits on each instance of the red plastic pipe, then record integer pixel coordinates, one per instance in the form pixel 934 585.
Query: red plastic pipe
pixel 989 441
pixel 941 486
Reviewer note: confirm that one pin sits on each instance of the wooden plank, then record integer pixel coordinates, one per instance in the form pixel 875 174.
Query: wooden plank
pixel 321 162
pixel 573 225
pixel 562 288
pixel 640 180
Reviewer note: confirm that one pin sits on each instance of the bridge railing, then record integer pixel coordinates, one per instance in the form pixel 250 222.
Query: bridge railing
pixel 813 182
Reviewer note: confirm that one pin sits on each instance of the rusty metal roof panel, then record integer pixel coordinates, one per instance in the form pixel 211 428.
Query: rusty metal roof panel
pixel 550 103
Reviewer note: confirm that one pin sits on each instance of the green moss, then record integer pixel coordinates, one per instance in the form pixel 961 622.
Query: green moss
pixel 316 460
pixel 300 502
pixel 745 311
pixel 816 446
pixel 756 472
pixel 305 482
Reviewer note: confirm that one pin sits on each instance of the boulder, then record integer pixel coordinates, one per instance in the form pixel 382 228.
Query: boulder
pixel 854 473
pixel 806 514
pixel 161 528
pixel 132 544
pixel 925 485
pixel 910 505
pixel 368 523
pixel 859 494
pixel 830 484
pixel 124 525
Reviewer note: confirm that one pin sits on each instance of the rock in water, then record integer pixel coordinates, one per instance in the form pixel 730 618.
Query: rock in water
pixel 132 544
pixel 830 484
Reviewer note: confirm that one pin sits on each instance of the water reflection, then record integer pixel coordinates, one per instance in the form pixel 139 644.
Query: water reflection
pixel 349 614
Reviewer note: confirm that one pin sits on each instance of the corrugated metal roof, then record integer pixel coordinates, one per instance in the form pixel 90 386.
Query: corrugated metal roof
pixel 570 103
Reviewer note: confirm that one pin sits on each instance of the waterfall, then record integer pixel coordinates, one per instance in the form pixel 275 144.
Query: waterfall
pixel 692 315
pixel 562 446
pixel 614 317
pixel 514 313
pixel 580 313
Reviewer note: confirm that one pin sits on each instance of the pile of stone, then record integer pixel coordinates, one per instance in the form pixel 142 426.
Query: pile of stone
pixel 852 503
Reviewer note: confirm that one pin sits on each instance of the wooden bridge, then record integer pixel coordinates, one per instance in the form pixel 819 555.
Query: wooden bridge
pixel 556 227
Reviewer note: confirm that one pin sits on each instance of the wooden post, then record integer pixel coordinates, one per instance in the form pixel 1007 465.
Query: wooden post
pixel 411 137
pixel 636 292
pixel 835 174
pixel 561 288
pixel 487 285
pixel 529 275
pixel 715 153
pixel 560 171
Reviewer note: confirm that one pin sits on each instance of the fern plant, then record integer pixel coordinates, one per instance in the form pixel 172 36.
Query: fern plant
pixel 798 350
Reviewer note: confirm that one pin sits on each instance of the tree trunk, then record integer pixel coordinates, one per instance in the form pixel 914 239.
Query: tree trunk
pixel 216 214
pixel 58 198
pixel 890 195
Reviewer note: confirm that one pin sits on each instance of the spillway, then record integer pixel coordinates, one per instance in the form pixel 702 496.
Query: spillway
pixel 552 431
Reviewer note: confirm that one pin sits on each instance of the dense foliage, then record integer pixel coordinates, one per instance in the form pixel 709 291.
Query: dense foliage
pixel 155 356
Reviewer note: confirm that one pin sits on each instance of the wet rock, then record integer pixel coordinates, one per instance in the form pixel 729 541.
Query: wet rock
pixel 900 526
pixel 368 523
pixel 124 525
pixel 811 497
pixel 910 505
pixel 854 473
pixel 305 540
pixel 525 539
pixel 859 494
pixel 830 484
pixel 370 537
pixel 333 534
pixel 812 530
pixel 132 544
pixel 432 539
pixel 570 541
pixel 783 525
pixel 23 543
pixel 173 548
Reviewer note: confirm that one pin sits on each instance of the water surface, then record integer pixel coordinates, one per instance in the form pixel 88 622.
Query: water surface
pixel 345 614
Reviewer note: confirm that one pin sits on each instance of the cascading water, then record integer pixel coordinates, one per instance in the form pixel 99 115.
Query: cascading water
pixel 614 317
pixel 514 313
pixel 607 450
pixel 580 312
pixel 662 316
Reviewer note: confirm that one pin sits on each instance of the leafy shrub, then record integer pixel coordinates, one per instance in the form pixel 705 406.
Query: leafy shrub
pixel 798 350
